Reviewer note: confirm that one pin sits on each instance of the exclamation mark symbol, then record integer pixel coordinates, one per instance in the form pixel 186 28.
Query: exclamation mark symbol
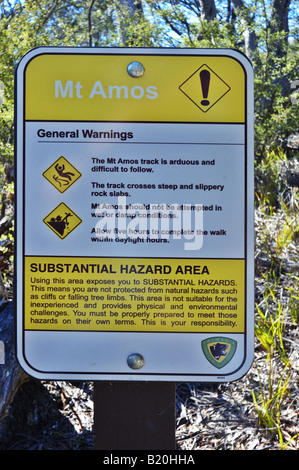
pixel 205 85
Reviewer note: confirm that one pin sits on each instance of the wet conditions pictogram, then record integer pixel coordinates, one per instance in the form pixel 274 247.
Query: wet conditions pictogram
pixel 62 174
pixel 62 220
pixel 204 88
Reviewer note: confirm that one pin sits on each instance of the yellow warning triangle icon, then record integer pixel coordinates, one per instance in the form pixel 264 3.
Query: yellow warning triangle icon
pixel 62 174
pixel 204 88
pixel 62 220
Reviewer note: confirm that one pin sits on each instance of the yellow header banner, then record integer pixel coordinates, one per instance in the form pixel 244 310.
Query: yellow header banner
pixel 165 88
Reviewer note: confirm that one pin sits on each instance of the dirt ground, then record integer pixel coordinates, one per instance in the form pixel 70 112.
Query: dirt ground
pixel 59 415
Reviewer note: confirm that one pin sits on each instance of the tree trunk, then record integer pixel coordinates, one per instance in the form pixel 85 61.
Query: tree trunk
pixel 279 23
pixel 243 13
pixel 207 13
pixel 12 375
pixel 128 8
pixel 132 5
pixel 208 10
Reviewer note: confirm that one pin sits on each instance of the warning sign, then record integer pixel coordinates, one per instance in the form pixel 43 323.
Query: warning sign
pixel 62 220
pixel 62 174
pixel 134 214
pixel 204 88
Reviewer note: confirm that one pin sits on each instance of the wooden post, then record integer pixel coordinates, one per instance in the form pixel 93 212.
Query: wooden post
pixel 134 415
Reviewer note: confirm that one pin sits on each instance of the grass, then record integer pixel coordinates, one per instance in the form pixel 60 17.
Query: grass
pixel 277 284
pixel 268 405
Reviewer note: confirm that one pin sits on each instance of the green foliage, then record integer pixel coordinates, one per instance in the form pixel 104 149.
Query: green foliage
pixel 98 23
pixel 269 177
pixel 268 404
pixel 269 325
pixel 275 61
pixel 277 283
pixel 277 218
pixel 30 24
pixel 293 298
pixel 275 115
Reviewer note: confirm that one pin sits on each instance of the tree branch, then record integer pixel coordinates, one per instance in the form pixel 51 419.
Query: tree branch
pixel 245 18
pixel 89 22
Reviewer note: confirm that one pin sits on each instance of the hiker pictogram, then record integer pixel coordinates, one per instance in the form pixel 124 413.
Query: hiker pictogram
pixel 204 88
pixel 62 220
pixel 62 174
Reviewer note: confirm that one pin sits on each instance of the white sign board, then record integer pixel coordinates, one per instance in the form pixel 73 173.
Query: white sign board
pixel 134 214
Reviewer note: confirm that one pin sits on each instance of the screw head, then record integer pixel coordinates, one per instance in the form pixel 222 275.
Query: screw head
pixel 135 361
pixel 135 69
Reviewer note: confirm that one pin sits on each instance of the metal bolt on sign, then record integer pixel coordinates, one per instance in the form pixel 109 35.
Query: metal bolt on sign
pixel 135 69
pixel 135 361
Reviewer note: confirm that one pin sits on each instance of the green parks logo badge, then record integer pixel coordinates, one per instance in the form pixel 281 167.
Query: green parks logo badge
pixel 219 351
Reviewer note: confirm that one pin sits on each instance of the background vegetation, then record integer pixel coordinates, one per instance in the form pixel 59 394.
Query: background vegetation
pixel 267 31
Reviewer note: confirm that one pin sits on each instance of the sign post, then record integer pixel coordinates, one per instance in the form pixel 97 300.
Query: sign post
pixel 134 214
